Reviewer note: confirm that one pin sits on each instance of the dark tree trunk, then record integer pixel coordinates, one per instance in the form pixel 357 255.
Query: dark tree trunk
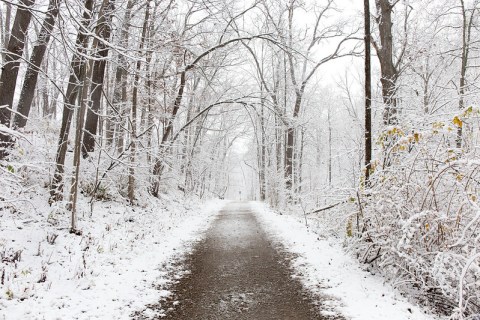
pixel 300 162
pixel 77 73
pixel 31 76
pixel 368 94
pixel 8 79
pixel 290 141
pixel 288 162
pixel 466 35
pixel 389 71
pixel 103 32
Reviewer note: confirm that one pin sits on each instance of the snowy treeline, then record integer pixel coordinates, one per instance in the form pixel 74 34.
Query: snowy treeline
pixel 126 100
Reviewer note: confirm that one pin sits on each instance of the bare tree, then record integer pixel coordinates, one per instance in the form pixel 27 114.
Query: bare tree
pixel 385 52
pixel 103 31
pixel 120 85
pixel 467 23
pixel 301 78
pixel 368 93
pixel 77 73
pixel 8 79
pixel 133 118
pixel 33 68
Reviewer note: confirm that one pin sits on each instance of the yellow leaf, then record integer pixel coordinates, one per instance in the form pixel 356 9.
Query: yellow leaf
pixel 416 136
pixel 468 111
pixel 457 122
pixel 438 125
pixel 349 228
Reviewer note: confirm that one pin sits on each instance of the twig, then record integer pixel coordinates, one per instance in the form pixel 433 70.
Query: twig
pixel 328 207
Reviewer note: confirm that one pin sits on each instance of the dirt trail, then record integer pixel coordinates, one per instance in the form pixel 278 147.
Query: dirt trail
pixel 236 273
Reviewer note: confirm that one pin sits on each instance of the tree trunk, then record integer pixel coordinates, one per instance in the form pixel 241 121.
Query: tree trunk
pixel 300 162
pixel 133 121
pixel 78 143
pixel 466 34
pixel 158 166
pixel 120 86
pixel 5 29
pixel 368 94
pixel 290 143
pixel 103 32
pixel 77 73
pixel 31 75
pixel 329 148
pixel 263 155
pixel 389 72
pixel 8 79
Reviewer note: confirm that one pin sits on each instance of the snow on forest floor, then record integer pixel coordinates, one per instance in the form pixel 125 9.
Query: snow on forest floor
pixel 325 269
pixel 113 270
pixel 128 254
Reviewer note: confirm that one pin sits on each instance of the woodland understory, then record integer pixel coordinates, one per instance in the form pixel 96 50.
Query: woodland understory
pixel 365 123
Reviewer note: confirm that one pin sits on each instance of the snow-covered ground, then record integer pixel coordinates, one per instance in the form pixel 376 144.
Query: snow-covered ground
pixel 128 255
pixel 326 270
pixel 114 269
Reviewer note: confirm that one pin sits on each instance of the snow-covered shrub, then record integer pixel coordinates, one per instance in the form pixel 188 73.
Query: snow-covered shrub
pixel 421 215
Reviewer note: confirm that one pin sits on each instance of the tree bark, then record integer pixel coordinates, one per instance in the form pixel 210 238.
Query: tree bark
pixel 389 72
pixel 103 32
pixel 77 73
pixel 120 86
pixel 133 120
pixel 466 35
pixel 31 75
pixel 8 79
pixel 368 94
pixel 263 155
pixel 158 166
pixel 78 143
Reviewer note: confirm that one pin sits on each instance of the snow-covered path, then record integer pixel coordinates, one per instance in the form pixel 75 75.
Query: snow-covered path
pixel 252 265
pixel 237 274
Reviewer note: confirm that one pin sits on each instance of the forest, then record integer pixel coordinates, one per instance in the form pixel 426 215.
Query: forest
pixel 361 119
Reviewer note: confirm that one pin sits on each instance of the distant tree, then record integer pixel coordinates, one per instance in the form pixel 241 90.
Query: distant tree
pixel 301 74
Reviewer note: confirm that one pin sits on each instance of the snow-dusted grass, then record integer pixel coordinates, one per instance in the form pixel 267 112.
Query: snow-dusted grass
pixel 114 269
pixel 328 272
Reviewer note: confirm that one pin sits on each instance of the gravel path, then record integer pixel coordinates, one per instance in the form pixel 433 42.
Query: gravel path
pixel 236 273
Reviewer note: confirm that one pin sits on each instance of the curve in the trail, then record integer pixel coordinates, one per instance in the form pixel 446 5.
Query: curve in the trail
pixel 236 273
